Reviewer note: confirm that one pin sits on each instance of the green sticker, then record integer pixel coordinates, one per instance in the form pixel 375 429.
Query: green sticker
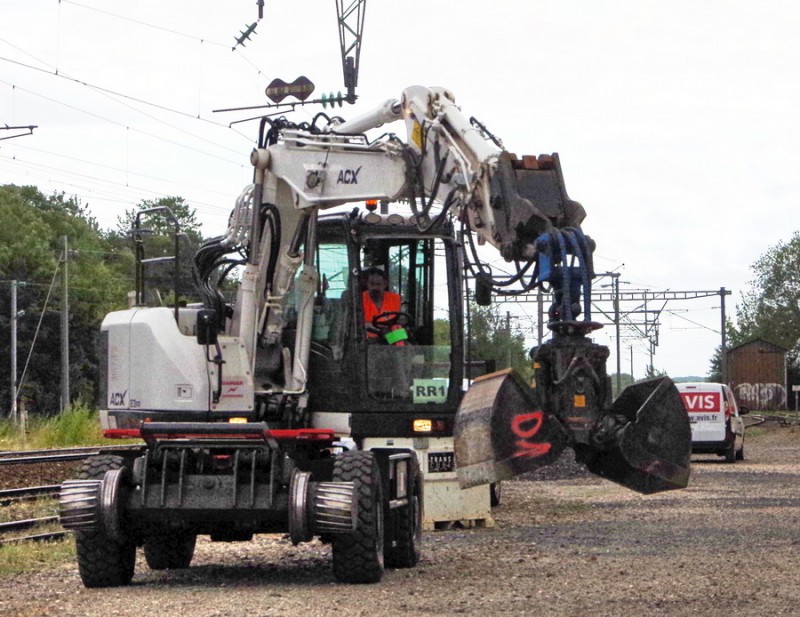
pixel 429 390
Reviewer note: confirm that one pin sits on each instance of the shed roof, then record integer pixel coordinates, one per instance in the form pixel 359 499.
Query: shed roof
pixel 761 341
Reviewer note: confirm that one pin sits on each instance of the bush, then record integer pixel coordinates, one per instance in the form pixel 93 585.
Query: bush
pixel 78 426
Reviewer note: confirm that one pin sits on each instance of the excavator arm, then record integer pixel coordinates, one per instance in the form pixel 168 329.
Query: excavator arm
pixel 450 165
pixel 520 206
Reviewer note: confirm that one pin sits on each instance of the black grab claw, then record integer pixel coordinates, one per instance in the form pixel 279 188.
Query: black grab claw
pixel 651 447
pixel 643 442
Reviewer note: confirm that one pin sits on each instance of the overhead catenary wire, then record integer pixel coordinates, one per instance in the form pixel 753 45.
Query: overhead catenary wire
pixel 200 206
pixel 112 93
pixel 136 103
pixel 122 124
pixel 118 169
pixel 172 31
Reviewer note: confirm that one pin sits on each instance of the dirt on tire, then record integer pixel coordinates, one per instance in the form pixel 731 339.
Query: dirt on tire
pixel 564 543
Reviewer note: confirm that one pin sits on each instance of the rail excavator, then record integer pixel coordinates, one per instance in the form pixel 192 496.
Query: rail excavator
pixel 282 411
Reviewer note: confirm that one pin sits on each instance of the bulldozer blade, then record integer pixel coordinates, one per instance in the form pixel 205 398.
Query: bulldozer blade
pixel 651 451
pixel 499 431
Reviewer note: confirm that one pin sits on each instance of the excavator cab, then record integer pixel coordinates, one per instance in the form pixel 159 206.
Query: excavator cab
pixel 380 370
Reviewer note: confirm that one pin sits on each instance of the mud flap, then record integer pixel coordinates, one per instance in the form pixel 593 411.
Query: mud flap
pixel 499 432
pixel 646 443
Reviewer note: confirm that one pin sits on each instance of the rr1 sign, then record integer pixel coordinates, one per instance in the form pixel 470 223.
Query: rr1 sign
pixel 429 390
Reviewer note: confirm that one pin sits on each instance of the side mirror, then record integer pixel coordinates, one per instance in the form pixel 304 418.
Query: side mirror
pixel 207 327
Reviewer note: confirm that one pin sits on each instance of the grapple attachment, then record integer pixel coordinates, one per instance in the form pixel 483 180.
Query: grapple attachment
pixel 500 433
pixel 643 442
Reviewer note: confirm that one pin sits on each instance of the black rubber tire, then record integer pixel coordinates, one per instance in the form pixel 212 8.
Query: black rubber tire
pixel 359 557
pixel 103 561
pixel 730 453
pixel 170 550
pixel 403 550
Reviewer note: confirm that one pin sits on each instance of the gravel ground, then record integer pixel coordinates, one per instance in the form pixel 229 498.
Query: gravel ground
pixel 565 543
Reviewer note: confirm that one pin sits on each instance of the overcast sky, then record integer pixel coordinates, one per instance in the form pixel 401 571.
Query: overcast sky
pixel 675 121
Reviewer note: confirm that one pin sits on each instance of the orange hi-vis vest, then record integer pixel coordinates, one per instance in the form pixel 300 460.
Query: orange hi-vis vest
pixel 391 302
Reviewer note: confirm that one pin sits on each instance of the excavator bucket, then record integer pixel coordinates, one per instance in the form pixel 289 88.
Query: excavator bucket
pixel 651 449
pixel 643 442
pixel 499 432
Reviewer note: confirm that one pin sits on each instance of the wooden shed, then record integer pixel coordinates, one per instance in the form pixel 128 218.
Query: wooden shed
pixel 757 374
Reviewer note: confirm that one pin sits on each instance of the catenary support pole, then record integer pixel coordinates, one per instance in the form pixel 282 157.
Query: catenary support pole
pixel 65 331
pixel 13 413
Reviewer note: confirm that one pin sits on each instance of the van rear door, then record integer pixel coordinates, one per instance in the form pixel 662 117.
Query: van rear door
pixel 706 409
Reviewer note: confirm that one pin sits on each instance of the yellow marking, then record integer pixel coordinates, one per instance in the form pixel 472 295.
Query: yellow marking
pixel 416 134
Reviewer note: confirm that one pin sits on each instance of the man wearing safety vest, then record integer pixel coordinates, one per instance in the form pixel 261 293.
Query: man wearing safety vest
pixel 376 300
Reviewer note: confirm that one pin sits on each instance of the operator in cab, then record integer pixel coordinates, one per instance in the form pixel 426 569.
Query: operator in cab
pixel 376 299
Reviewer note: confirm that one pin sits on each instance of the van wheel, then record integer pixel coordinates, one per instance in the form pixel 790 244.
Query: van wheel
pixel 730 453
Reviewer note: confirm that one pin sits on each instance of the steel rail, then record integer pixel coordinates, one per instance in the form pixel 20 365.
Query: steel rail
pixel 12 495
pixel 77 449
pixel 54 458
pixel 26 523
pixel 39 537
pixel 31 457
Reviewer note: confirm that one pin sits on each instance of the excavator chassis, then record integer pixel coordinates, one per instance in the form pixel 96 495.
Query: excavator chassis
pixel 231 481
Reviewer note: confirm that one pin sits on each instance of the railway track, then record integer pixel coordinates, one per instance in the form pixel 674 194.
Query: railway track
pixel 37 537
pixel 14 531
pixel 11 528
pixel 12 498
pixel 15 495
pixel 54 455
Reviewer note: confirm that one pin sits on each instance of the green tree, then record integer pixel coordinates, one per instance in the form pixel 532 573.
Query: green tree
pixel 715 368
pixel 769 308
pixel 625 380
pixel 159 222
pixel 652 372
pixel 32 228
pixel 159 241
pixel 497 340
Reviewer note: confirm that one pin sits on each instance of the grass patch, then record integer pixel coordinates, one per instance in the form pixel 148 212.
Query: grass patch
pixel 22 510
pixel 754 432
pixel 35 556
pixel 76 427
pixel 18 558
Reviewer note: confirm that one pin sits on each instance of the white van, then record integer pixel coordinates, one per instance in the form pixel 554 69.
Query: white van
pixel 716 419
